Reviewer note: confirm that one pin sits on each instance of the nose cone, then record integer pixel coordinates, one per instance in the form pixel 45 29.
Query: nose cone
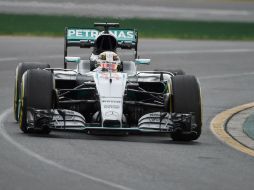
pixel 111 96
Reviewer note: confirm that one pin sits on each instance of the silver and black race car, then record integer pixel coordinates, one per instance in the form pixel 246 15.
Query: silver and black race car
pixel 106 94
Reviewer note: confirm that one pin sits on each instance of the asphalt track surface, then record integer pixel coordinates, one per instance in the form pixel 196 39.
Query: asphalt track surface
pixel 79 161
pixel 220 10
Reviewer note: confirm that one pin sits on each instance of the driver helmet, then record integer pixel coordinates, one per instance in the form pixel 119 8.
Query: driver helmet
pixel 108 61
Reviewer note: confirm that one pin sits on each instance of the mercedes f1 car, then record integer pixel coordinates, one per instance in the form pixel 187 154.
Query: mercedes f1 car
pixel 106 94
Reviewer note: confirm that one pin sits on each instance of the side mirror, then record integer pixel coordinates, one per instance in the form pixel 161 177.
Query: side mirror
pixel 142 61
pixel 72 59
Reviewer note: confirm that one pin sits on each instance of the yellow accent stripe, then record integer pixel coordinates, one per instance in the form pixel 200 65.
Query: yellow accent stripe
pixel 22 102
pixel 170 98
pixel 201 103
pixel 15 91
pixel 217 126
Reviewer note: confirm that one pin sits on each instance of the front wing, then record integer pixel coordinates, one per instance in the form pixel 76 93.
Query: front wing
pixel 156 122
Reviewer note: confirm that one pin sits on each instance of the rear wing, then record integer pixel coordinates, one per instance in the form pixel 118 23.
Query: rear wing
pixel 85 38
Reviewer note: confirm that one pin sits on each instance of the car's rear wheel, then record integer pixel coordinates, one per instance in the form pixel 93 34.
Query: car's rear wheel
pixel 173 71
pixel 187 99
pixel 20 70
pixel 36 92
pixel 177 71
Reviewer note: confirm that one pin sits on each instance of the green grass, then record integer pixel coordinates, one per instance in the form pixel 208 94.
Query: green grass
pixel 148 28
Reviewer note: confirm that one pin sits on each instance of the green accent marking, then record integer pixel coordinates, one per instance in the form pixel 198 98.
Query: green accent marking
pixel 248 126
pixel 72 59
pixel 41 25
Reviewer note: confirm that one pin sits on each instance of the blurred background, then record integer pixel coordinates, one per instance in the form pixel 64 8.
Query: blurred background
pixel 195 19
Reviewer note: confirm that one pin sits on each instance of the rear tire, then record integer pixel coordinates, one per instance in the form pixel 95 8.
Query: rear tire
pixel 187 99
pixel 36 92
pixel 20 70
pixel 177 72
pixel 174 71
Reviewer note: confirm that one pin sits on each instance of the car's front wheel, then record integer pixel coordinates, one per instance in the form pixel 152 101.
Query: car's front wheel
pixel 187 99
pixel 36 92
pixel 20 70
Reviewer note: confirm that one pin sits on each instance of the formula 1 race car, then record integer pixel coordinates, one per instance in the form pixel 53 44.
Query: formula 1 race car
pixel 106 94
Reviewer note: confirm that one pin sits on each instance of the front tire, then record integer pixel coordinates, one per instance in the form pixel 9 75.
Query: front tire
pixel 20 70
pixel 187 99
pixel 36 92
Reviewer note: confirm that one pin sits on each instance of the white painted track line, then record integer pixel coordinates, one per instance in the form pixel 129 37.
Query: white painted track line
pixel 25 150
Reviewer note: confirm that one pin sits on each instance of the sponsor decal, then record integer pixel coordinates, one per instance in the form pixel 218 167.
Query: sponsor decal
pixel 82 34
pixel 122 35
pixel 111 101
pixel 111 106
pixel 111 114
pixel 92 34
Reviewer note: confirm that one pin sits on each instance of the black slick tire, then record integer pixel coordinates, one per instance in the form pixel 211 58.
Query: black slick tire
pixel 20 70
pixel 173 71
pixel 177 72
pixel 187 99
pixel 36 92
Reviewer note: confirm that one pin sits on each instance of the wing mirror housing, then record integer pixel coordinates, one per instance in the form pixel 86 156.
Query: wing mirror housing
pixel 72 59
pixel 142 61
